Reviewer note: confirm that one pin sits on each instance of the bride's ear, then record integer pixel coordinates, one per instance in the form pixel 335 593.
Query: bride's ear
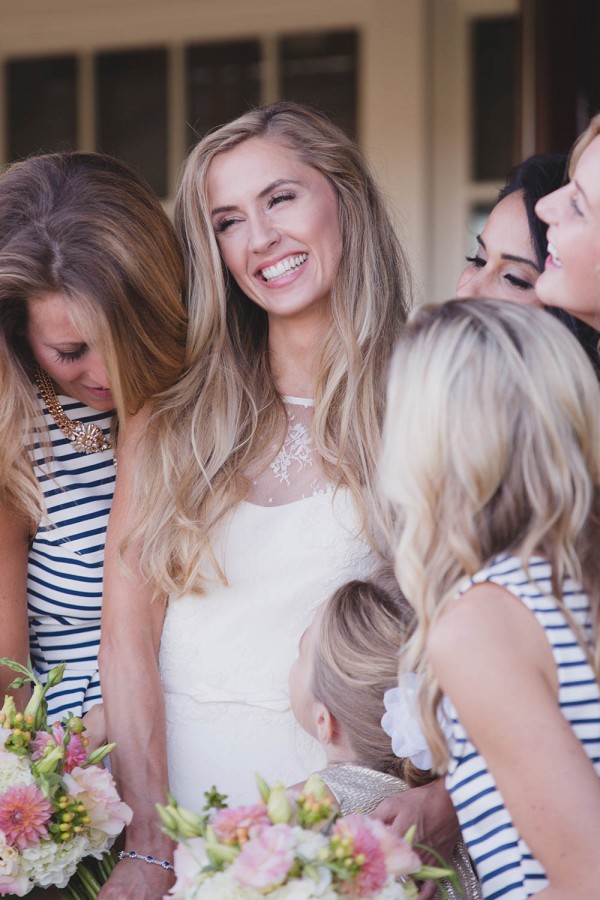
pixel 326 724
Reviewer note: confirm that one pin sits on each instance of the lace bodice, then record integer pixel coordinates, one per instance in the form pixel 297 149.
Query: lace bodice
pixel 294 472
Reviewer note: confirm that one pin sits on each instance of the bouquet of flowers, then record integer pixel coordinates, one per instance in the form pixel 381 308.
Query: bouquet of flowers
pixel 289 846
pixel 57 805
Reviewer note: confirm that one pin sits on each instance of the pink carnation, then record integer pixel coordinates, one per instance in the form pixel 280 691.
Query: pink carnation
pixel 266 860
pixel 39 744
pixel 24 812
pixel 373 872
pixel 75 753
pixel 400 858
pixel 238 825
pixel 95 788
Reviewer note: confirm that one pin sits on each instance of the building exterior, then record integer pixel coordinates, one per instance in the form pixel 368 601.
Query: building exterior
pixel 430 88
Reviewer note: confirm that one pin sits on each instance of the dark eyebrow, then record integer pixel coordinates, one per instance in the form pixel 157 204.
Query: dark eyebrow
pixel 511 258
pixel 521 259
pixel 273 185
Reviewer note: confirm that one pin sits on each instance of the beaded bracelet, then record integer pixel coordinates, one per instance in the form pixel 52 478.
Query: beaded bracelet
pixel 133 854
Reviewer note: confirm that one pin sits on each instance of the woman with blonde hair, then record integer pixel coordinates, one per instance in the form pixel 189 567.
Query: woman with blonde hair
pixel 498 489
pixel 571 275
pixel 256 484
pixel 91 324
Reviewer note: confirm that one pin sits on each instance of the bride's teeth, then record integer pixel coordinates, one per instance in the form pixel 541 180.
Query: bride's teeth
pixel 554 256
pixel 283 266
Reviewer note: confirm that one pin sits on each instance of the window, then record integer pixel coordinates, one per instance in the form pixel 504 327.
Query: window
pixel 42 105
pixel 223 81
pixel 321 70
pixel 132 111
pixel 494 81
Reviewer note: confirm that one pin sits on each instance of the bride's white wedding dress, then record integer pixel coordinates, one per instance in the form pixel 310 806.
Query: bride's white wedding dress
pixel 225 656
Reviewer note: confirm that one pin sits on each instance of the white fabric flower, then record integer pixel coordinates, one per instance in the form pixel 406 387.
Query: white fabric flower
pixel 402 722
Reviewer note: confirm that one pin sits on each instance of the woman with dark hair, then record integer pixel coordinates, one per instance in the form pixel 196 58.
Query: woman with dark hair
pixel 512 247
pixel 91 325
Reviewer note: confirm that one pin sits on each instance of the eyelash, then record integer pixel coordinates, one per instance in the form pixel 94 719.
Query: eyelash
pixel 575 207
pixel 512 279
pixel 224 224
pixel 73 356
pixel 477 261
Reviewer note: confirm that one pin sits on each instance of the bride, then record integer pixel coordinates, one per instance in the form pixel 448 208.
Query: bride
pixel 249 493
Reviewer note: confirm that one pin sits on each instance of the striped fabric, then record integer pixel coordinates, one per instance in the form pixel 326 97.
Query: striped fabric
pixel 504 863
pixel 64 581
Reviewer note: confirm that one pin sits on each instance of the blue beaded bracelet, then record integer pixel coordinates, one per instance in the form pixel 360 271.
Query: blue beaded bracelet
pixel 133 854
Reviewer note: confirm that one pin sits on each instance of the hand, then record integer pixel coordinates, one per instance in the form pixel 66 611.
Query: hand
pixel 133 879
pixel 95 728
pixel 431 810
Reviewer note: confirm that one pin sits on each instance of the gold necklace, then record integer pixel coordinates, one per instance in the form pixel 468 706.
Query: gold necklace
pixel 85 438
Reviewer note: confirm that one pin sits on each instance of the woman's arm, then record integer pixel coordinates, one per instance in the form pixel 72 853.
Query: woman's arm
pixel 505 691
pixel 14 643
pixel 132 692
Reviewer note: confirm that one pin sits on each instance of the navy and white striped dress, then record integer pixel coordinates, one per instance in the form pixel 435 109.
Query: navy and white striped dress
pixel 66 557
pixel 503 860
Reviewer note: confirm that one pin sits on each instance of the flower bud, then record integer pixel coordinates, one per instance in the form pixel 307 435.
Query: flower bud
pixel 48 763
pixel 278 805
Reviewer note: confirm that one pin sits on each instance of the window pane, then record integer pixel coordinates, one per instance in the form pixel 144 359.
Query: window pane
pixel 321 70
pixel 132 111
pixel 41 105
pixel 223 81
pixel 478 215
pixel 494 72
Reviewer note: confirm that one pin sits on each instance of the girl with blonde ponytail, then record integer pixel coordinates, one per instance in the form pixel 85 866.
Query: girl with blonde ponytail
pixel 493 461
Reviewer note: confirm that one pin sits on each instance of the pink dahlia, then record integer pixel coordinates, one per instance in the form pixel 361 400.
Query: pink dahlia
pixel 24 813
pixel 238 825
pixel 365 850
pixel 265 861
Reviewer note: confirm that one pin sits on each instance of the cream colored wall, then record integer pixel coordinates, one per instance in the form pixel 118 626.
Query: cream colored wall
pixel 393 79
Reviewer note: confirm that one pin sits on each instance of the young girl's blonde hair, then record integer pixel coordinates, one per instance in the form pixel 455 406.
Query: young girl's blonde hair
pixel 492 446
pixel 355 661
pixel 223 417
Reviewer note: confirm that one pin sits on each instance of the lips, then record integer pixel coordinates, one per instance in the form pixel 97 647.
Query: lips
pixel 282 267
pixel 553 256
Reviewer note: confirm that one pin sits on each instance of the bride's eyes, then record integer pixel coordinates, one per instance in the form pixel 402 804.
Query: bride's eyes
pixel 223 224
pixel 477 261
pixel 281 198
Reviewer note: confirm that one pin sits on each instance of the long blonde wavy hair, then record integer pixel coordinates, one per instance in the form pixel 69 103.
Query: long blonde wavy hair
pixel 491 446
pixel 221 418
pixel 85 226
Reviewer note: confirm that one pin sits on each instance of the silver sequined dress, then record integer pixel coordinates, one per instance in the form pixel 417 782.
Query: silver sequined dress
pixel 359 790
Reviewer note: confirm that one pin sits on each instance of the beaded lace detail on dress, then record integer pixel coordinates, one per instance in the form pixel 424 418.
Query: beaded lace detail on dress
pixel 295 471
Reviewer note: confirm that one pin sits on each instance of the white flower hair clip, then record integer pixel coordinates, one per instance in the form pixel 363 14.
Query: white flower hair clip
pixel 402 722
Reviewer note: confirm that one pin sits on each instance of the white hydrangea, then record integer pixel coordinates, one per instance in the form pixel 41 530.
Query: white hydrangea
pixel 306 889
pixel 51 863
pixel 13 770
pixel 308 843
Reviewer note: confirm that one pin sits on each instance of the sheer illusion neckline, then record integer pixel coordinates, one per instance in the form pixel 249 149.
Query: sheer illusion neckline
pixel 295 471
